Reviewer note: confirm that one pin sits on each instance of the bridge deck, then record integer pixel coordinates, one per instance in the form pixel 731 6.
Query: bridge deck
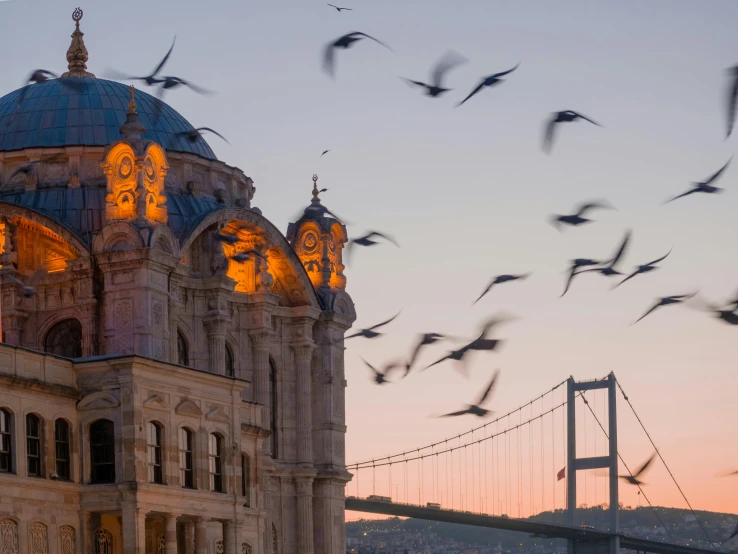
pixel 521 525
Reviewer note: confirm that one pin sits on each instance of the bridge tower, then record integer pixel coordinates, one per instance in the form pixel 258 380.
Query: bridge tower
pixel 609 462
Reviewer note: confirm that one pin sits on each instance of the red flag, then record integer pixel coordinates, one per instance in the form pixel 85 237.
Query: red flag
pixel 561 474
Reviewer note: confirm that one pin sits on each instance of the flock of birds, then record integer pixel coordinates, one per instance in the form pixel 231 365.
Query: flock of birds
pixel 607 267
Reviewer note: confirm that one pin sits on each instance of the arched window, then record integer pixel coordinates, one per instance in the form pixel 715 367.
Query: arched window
pixel 65 339
pixel 33 445
pixel 62 441
pixel 246 479
pixel 183 354
pixel 153 442
pixel 103 542
pixel 273 409
pixel 230 370
pixel 39 538
pixel 6 441
pixel 102 452
pixel 274 540
pixel 67 540
pixel 9 536
pixel 186 473
pixel 215 455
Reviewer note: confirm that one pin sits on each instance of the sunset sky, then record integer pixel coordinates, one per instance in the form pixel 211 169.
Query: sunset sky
pixel 468 193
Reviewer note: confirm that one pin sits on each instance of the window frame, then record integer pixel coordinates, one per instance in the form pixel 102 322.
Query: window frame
pixel 107 465
pixel 246 478
pixel 230 368
pixel 7 454
pixel 61 445
pixel 36 459
pixel 154 452
pixel 186 458
pixel 72 328
pixel 273 409
pixel 184 349
pixel 215 463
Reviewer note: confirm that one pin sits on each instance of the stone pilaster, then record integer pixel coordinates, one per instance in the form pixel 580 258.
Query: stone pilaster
pixel 134 529
pixel 304 489
pixel 216 327
pixel 304 400
pixel 261 340
pixel 230 540
pixel 170 534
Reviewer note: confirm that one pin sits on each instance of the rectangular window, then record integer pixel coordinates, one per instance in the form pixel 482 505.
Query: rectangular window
pixel 33 445
pixel 102 451
pixel 185 459
pixel 6 441
pixel 154 451
pixel 246 479
pixel 215 463
pixel 61 437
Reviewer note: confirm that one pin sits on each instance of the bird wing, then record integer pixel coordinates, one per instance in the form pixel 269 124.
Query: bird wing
pixel 378 325
pixel 653 308
pixel 569 280
pixel 382 235
pixel 324 153
pixel 197 89
pixel 446 357
pixel 622 249
pixel 370 37
pixel 485 291
pixel 454 414
pixel 548 135
pixel 449 60
pixel 332 6
pixel 690 191
pixel 417 83
pixel 489 388
pixel 370 366
pixel 164 60
pixel 662 258
pixel 502 74
pixel 328 59
pixel 590 206
pixel 645 465
pixel 732 99
pixel 585 118
pixel 717 173
pixel 628 278
pixel 480 86
pixel 214 132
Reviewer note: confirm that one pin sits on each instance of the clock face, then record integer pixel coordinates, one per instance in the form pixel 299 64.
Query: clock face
pixel 310 241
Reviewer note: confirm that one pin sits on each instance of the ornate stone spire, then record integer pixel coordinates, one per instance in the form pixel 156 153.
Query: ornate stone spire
pixel 132 129
pixel 77 53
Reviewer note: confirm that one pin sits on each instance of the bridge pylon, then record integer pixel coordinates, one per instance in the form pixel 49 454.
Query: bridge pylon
pixel 609 462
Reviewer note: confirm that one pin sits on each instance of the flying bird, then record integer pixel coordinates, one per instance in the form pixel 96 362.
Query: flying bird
pixel 380 377
pixel 501 279
pixel 732 98
pixel 226 238
pixel 371 332
pixel 577 264
pixel 366 240
pixel 481 343
pixel 578 218
pixel 245 256
pixel 665 301
pixel 193 134
pixel 324 153
pixel 729 315
pixel 425 340
pixel 705 186
pixel 489 81
pixel 151 79
pixel 445 64
pixel 476 408
pixel 560 117
pixel 650 266
pixel 39 76
pixel 339 10
pixel 633 479
pixel 344 42
pixel 608 269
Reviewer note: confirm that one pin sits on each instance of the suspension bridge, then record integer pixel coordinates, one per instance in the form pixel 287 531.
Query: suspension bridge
pixel 504 474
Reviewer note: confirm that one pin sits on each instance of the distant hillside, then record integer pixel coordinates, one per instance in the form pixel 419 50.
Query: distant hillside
pixel 638 522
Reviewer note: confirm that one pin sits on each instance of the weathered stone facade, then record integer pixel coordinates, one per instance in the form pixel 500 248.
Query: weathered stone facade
pixel 171 378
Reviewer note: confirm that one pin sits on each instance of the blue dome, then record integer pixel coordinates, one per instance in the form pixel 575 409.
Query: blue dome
pixel 54 114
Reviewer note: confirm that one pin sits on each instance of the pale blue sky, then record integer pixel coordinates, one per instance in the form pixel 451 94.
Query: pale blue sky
pixel 467 192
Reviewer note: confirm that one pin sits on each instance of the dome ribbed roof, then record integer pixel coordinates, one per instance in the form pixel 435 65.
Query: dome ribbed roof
pixel 90 112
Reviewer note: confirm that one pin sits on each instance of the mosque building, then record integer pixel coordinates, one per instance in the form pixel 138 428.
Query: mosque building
pixel 172 365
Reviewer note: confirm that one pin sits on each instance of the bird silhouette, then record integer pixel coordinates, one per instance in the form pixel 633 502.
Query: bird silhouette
pixel 577 264
pixel 424 340
pixel 481 343
pixel 704 186
pixel 650 266
pixel 370 332
pixel 226 237
pixel 150 79
pixel 27 169
pixel 665 301
pixel 501 279
pixel 488 81
pixel 345 42
pixel 170 83
pixel 339 10
pixel 608 269
pixel 38 76
pixel 578 218
pixel 560 117
pixel 366 240
pixel 324 153
pixel 194 134
pixel 727 313
pixel 245 256
pixel 380 377
pixel 476 408
pixel 732 98
pixel 445 64
pixel 634 478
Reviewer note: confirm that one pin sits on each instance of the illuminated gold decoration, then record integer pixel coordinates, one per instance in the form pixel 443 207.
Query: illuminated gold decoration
pixel 77 54
pixel 135 184
pixel 38 248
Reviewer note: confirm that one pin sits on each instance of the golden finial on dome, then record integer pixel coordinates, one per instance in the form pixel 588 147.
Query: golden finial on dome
pixel 77 55
pixel 316 192
pixel 132 101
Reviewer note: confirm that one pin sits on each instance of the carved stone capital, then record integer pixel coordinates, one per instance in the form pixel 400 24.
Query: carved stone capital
pixel 216 325
pixel 304 486
pixel 303 350
pixel 261 338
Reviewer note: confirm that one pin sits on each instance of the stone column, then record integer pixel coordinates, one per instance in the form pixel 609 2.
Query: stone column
pixel 134 530
pixel 261 339
pixel 304 401
pixel 229 537
pixel 216 328
pixel 201 535
pixel 170 534
pixel 304 487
